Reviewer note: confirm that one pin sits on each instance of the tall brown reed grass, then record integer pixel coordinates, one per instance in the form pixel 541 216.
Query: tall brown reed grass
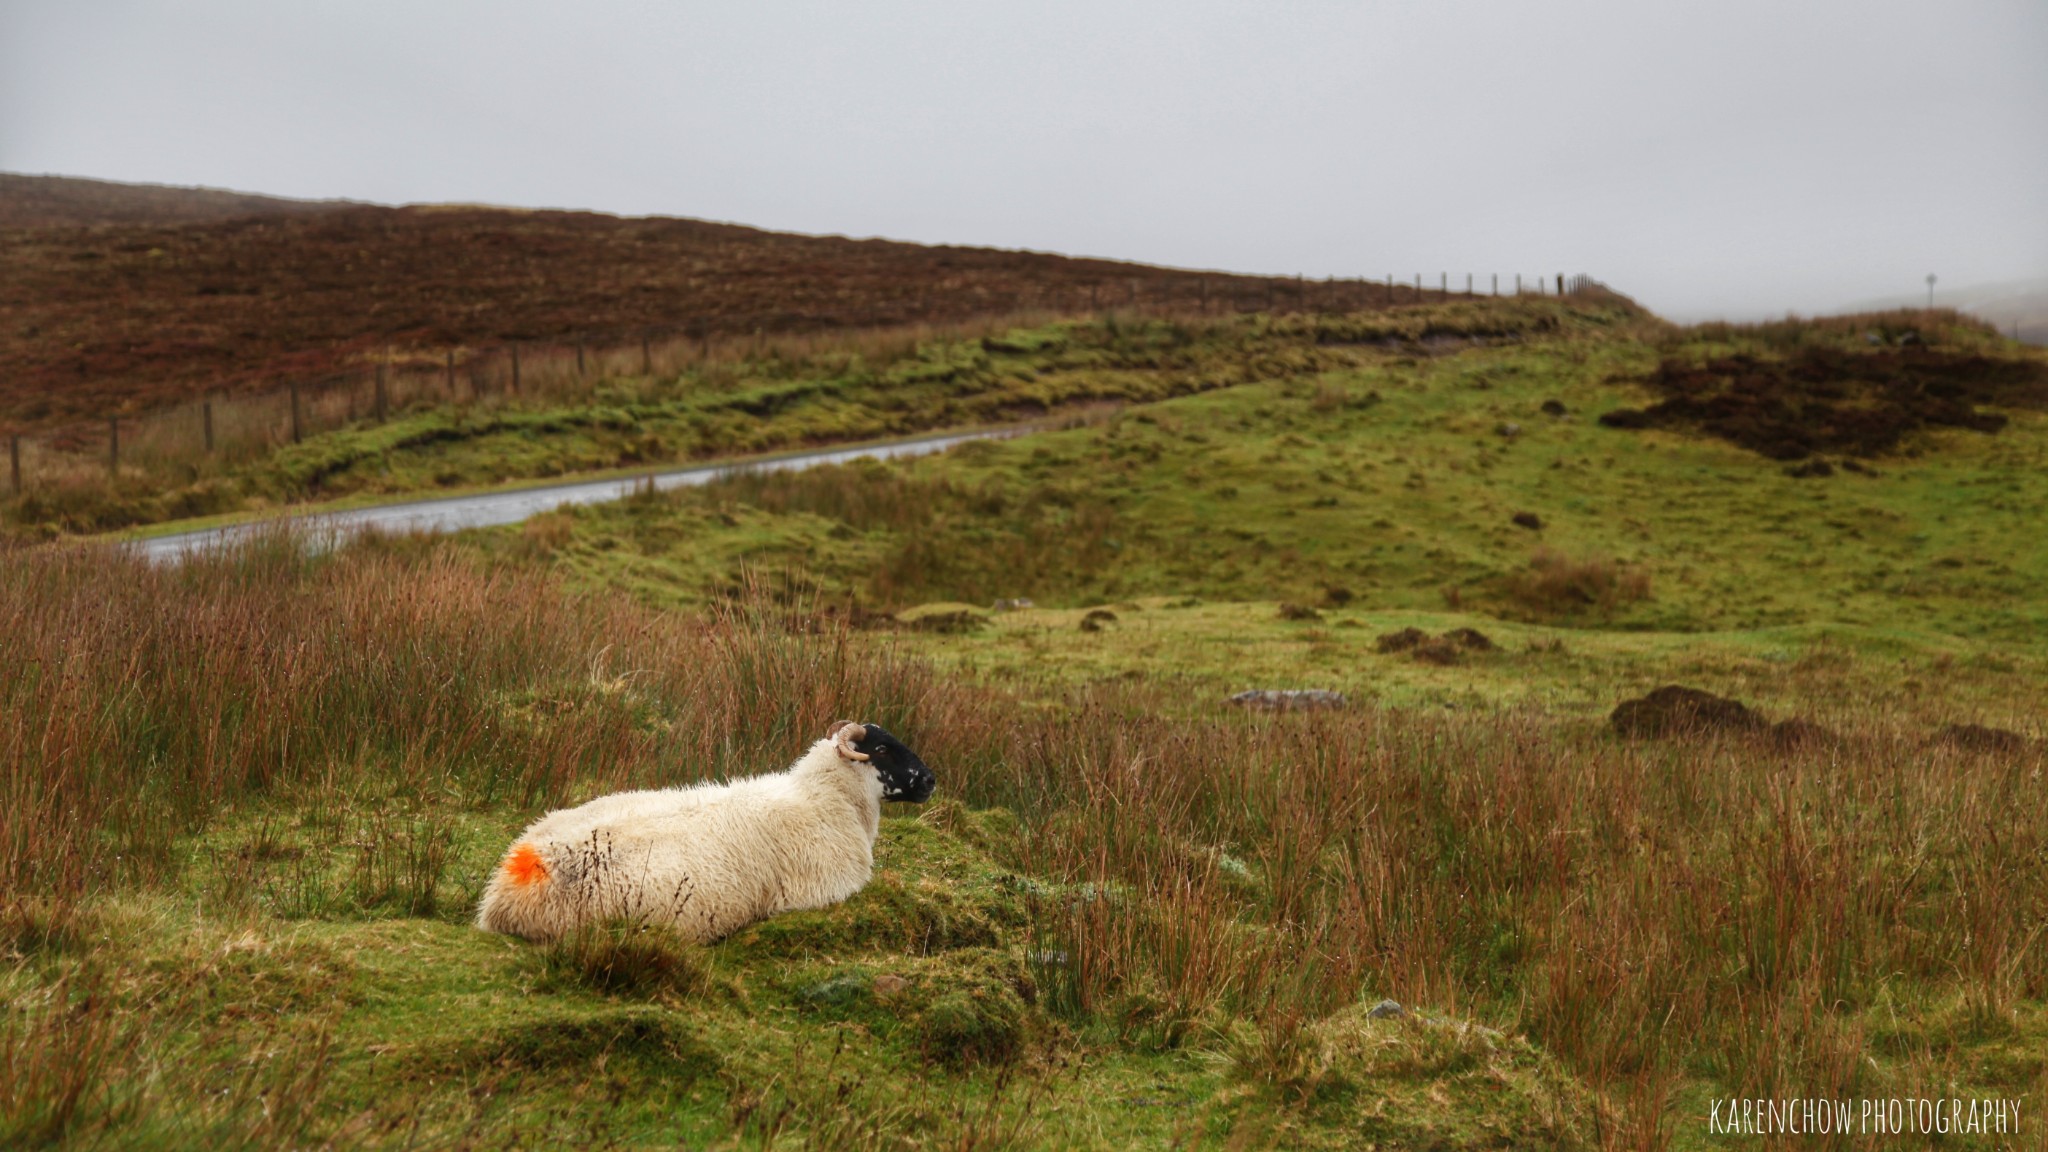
pixel 1650 912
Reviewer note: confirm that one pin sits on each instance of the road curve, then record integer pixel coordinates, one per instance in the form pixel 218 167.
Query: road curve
pixel 488 509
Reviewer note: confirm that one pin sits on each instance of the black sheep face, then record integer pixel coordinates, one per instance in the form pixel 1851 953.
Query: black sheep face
pixel 904 776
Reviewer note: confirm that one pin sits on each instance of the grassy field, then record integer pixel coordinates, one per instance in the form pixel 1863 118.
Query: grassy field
pixel 1470 486
pixel 747 397
pixel 251 801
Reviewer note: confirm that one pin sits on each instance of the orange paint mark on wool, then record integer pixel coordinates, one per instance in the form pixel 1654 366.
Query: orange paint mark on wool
pixel 524 866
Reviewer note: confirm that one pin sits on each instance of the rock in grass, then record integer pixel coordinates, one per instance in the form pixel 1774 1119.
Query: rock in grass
pixel 1291 611
pixel 1529 520
pixel 1096 618
pixel 1674 710
pixel 1384 1009
pixel 1288 699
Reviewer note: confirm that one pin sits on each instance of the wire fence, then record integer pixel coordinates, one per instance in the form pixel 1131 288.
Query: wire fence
pixel 218 431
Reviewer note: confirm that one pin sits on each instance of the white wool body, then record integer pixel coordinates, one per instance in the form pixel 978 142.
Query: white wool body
pixel 708 859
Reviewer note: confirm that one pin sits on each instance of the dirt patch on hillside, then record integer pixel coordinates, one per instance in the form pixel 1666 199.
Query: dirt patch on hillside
pixel 1823 399
pixel 1674 710
pixel 1449 648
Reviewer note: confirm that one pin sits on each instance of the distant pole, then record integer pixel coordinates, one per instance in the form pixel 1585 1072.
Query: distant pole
pixel 1468 283
pixel 1496 283
pixel 295 412
pixel 1930 291
pixel 113 447
pixel 1390 289
pixel 1418 287
pixel 1443 283
pixel 1560 283
pixel 206 424
pixel 14 461
pixel 1518 283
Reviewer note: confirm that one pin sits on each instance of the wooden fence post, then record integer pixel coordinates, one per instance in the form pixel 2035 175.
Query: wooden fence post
pixel 1418 287
pixel 1468 284
pixel 14 461
pixel 206 424
pixel 1560 283
pixel 1496 283
pixel 296 431
pixel 1443 284
pixel 382 401
pixel 1390 289
pixel 113 447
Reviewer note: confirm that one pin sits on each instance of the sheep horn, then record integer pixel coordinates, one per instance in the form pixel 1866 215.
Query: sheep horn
pixel 843 737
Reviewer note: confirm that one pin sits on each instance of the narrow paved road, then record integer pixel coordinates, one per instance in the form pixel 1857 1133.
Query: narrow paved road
pixel 487 509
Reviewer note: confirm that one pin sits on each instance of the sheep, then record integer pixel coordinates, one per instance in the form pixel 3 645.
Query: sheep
pixel 712 858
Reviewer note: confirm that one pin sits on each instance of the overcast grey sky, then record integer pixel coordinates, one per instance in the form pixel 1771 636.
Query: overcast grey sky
pixel 1711 157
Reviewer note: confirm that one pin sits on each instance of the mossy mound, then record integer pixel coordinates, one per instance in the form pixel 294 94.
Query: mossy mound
pixel 935 889
pixel 944 617
pixel 972 1006
pixel 652 1040
pixel 1408 1081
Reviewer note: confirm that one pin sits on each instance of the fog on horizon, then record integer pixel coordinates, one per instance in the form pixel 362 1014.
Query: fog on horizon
pixel 1736 159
